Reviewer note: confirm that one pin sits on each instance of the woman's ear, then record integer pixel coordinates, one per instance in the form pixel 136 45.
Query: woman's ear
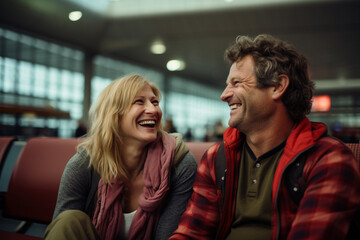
pixel 281 86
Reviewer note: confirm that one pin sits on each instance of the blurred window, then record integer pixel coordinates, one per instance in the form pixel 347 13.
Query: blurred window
pixel 34 72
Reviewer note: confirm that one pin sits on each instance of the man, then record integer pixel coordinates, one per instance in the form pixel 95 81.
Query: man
pixel 273 153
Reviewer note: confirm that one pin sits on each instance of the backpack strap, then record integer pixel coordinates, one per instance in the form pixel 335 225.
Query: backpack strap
pixel 220 169
pixel 294 179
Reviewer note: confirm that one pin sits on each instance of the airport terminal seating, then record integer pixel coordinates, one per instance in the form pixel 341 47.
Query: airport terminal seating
pixel 355 147
pixel 5 143
pixel 33 186
pixel 34 183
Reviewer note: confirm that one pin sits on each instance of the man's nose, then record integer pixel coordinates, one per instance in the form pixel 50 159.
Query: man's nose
pixel 226 94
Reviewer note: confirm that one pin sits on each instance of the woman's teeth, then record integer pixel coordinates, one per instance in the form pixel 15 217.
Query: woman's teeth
pixel 150 123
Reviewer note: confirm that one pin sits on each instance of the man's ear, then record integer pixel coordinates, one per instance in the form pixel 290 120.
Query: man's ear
pixel 281 86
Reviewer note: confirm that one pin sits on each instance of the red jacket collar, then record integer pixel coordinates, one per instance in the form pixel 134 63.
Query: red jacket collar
pixel 305 134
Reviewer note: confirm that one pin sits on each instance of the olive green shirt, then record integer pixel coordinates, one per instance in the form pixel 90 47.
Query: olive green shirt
pixel 253 211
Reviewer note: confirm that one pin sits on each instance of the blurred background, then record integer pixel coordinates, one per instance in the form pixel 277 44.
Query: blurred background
pixel 56 56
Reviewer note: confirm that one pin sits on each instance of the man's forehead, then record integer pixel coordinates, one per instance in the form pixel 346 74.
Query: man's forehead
pixel 242 64
pixel 246 60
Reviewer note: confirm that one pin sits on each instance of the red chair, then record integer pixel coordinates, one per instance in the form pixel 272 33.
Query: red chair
pixel 355 148
pixel 5 143
pixel 34 183
pixel 198 149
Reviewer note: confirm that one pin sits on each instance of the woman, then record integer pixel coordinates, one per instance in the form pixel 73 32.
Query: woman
pixel 129 178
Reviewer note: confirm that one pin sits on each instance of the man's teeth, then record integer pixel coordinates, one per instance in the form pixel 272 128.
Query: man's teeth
pixel 148 122
pixel 234 106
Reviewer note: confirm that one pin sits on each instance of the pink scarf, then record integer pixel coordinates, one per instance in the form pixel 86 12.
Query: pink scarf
pixel 108 216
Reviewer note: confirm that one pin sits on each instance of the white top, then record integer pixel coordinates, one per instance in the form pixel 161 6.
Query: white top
pixel 128 217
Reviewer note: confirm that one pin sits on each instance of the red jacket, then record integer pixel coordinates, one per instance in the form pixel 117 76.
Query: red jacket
pixel 330 201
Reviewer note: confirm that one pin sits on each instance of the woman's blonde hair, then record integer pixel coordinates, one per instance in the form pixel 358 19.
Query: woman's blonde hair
pixel 103 142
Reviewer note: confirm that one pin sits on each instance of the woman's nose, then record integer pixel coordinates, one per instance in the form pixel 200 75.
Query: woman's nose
pixel 149 107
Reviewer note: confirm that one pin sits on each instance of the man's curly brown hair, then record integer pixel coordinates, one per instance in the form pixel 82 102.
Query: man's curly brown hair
pixel 272 58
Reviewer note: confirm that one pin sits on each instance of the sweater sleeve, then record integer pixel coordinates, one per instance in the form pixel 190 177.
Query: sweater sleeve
pixel 74 185
pixel 181 184
pixel 201 217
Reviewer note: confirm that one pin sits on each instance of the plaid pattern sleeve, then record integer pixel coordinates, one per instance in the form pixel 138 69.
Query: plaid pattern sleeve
pixel 201 217
pixel 332 194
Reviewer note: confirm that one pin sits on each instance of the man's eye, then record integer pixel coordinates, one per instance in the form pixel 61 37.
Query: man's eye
pixel 236 83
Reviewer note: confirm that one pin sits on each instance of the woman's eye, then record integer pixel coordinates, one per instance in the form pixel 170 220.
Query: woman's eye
pixel 138 101
pixel 155 102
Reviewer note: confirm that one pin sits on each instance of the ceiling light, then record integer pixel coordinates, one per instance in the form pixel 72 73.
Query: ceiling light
pixel 175 65
pixel 228 0
pixel 158 47
pixel 75 15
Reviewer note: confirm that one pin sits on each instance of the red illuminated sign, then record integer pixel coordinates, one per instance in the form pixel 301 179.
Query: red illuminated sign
pixel 321 103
